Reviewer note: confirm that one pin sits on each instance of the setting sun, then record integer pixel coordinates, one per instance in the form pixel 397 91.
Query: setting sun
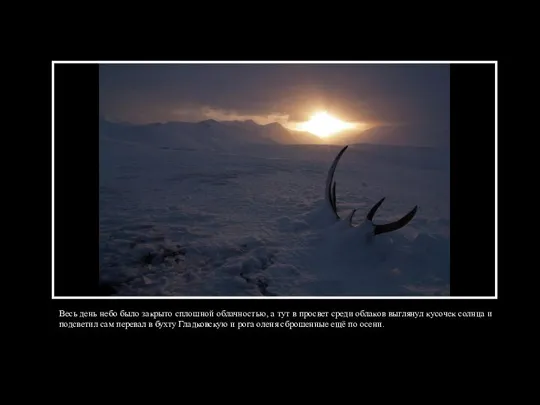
pixel 323 125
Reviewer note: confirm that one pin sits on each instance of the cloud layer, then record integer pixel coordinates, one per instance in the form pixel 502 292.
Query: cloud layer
pixel 287 94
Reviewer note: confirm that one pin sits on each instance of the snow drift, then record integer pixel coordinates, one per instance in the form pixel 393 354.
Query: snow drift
pixel 189 211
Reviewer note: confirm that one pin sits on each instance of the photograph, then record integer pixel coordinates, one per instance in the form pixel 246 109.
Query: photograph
pixel 274 179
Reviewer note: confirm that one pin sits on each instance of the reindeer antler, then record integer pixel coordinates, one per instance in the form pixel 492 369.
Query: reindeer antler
pixel 330 195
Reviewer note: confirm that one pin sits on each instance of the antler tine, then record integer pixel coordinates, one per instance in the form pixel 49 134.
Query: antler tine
pixel 330 184
pixel 374 209
pixel 394 226
pixel 350 217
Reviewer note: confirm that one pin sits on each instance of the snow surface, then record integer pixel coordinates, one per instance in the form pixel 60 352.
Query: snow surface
pixel 194 215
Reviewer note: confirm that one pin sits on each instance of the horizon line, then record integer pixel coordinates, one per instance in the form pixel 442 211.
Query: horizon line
pixel 389 124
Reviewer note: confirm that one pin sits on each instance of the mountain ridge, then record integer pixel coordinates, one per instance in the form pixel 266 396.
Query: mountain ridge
pixel 248 131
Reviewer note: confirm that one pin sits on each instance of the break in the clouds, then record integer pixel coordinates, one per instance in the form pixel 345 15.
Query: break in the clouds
pixel 284 93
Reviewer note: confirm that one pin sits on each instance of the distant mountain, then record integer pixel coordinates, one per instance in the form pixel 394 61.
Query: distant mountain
pixel 208 133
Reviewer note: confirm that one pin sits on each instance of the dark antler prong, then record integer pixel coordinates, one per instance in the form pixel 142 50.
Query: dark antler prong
pixel 330 182
pixel 350 217
pixel 394 226
pixel 374 209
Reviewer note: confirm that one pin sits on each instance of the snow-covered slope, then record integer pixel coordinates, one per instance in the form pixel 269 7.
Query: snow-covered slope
pixel 192 216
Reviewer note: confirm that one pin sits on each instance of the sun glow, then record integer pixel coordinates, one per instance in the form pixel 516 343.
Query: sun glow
pixel 323 125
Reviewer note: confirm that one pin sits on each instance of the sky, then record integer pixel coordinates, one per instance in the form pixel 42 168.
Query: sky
pixel 284 93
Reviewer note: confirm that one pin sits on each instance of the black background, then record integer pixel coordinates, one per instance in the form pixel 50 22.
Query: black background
pixel 76 196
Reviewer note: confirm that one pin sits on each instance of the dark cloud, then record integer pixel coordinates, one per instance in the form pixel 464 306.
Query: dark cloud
pixel 359 92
